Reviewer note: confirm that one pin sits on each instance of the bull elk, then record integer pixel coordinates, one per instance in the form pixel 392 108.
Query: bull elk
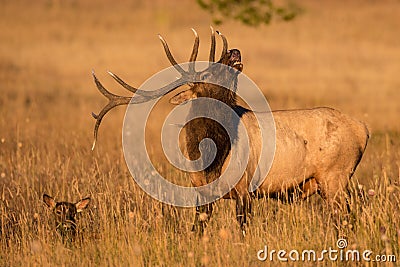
pixel 65 215
pixel 317 150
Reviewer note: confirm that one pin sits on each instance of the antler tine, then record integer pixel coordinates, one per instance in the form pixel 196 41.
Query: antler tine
pixel 170 57
pixel 124 84
pixel 225 42
pixel 195 50
pixel 114 100
pixel 101 88
pixel 134 89
pixel 212 49
pixel 150 95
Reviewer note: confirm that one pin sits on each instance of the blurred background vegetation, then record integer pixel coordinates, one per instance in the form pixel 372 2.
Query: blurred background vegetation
pixel 250 12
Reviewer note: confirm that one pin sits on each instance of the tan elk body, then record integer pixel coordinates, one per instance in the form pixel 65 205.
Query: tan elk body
pixel 318 147
pixel 317 150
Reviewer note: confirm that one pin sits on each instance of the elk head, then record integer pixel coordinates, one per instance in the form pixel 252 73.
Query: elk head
pixel 203 83
pixel 65 214
pixel 217 82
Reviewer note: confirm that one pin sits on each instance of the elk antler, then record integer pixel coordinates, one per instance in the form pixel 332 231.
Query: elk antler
pixel 142 96
pixel 212 49
pixel 195 50
pixel 225 47
pixel 113 101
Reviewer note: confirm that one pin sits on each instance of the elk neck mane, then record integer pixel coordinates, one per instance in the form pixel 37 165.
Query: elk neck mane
pixel 202 128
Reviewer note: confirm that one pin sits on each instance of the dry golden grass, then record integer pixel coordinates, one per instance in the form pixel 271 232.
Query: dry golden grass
pixel 345 56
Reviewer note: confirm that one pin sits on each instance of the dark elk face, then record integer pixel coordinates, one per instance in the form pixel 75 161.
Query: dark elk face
pixel 65 214
pixel 220 74
pixel 233 59
pixel 216 74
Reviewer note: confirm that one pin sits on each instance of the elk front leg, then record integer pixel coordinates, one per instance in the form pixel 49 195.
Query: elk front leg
pixel 203 214
pixel 243 212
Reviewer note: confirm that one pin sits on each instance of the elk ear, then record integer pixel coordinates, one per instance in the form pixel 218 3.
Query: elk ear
pixel 182 97
pixel 82 204
pixel 49 201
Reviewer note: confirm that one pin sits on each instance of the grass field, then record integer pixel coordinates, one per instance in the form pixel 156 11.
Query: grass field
pixel 346 56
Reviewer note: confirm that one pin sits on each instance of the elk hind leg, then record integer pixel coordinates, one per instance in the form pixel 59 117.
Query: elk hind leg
pixel 243 212
pixel 334 190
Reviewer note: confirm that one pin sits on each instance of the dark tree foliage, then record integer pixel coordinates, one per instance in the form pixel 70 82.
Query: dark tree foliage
pixel 250 12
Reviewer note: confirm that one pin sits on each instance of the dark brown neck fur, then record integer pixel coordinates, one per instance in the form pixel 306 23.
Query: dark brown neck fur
pixel 202 128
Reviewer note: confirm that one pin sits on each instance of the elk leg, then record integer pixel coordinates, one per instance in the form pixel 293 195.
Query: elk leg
pixel 342 213
pixel 309 188
pixel 243 211
pixel 203 214
pixel 334 191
